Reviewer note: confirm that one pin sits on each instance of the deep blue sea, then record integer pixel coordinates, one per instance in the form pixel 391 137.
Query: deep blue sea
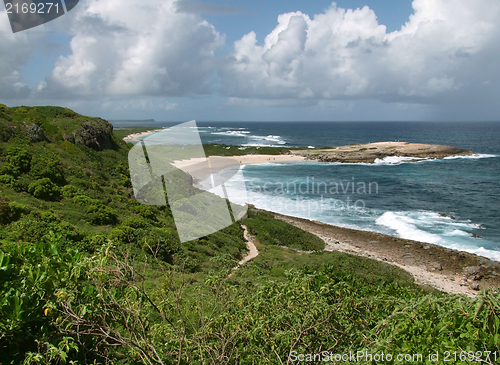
pixel 453 202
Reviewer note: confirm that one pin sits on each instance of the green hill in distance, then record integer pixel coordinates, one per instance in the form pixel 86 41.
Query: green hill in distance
pixel 88 275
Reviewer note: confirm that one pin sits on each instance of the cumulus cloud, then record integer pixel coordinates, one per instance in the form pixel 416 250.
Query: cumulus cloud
pixel 125 47
pixel 346 54
pixel 446 55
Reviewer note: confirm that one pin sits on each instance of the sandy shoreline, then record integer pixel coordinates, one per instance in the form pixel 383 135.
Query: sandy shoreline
pixel 446 270
pixel 243 160
pixel 136 137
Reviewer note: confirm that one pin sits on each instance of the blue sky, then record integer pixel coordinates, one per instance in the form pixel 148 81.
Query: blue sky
pixel 261 60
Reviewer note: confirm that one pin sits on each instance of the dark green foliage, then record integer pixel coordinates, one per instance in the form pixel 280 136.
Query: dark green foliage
pixel 101 215
pixel 18 210
pixel 5 210
pixel 44 189
pixel 147 211
pixel 6 179
pixel 37 226
pixel 135 222
pixel 271 231
pixel 22 183
pixel 47 167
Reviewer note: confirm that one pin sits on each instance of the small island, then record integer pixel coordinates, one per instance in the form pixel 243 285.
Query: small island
pixel 369 153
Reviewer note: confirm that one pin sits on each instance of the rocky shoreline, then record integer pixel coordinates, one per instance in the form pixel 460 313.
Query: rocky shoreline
pixel 371 152
pixel 442 268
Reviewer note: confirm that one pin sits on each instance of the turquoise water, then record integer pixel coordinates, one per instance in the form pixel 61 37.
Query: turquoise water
pixel 454 202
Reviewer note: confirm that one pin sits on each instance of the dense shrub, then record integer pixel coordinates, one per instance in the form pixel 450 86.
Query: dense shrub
pixel 70 191
pixel 6 179
pixel 37 226
pixel 101 215
pixel 5 210
pixel 18 210
pixel 85 201
pixel 18 161
pixel 46 167
pixel 21 184
pixel 136 222
pixel 44 189
pixel 147 211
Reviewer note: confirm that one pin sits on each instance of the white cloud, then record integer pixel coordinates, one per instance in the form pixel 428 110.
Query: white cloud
pixel 346 54
pixel 446 55
pixel 125 47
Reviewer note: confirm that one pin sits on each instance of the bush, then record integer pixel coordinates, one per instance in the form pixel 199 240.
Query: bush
pixel 136 222
pixel 101 215
pixel 21 184
pixel 272 231
pixel 146 211
pixel 18 210
pixel 44 189
pixel 6 179
pixel 70 191
pixel 85 201
pixel 47 167
pixel 18 161
pixel 5 210
pixel 37 226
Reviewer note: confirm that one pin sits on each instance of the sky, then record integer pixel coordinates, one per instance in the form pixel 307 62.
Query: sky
pixel 229 60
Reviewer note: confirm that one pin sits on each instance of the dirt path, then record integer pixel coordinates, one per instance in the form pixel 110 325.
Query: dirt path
pixel 252 250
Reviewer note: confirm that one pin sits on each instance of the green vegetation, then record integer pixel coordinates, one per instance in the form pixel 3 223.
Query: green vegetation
pixel 230 150
pixel 89 276
pixel 270 231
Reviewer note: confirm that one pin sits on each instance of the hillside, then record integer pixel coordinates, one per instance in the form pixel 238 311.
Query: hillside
pixel 88 275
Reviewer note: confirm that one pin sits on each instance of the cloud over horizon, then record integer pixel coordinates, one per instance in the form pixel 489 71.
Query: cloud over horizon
pixel 445 56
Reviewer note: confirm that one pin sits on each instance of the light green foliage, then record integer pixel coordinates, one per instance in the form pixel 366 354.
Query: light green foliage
pixel 18 161
pixel 84 200
pixel 70 191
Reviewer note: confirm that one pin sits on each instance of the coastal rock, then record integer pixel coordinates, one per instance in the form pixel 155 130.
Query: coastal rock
pixel 371 152
pixel 437 267
pixel 471 270
pixel 35 133
pixel 95 134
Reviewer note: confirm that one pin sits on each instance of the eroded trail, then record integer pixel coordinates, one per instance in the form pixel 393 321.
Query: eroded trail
pixel 252 249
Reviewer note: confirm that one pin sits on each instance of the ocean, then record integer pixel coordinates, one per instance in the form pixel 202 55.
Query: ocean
pixel 452 202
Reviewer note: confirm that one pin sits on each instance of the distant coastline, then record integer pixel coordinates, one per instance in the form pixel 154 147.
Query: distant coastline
pixel 136 137
pixel 132 121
